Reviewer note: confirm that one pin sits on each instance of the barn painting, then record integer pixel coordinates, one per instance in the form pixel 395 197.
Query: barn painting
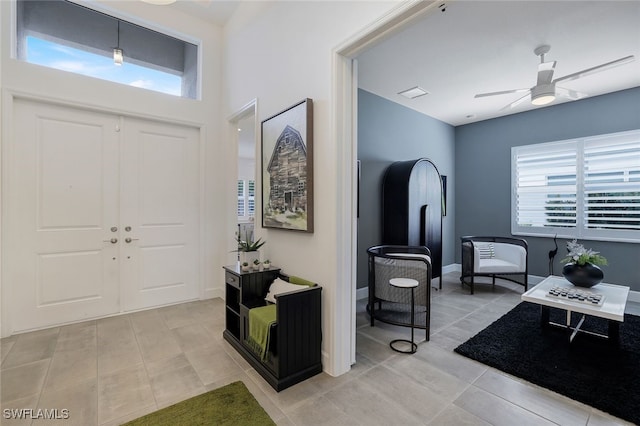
pixel 287 172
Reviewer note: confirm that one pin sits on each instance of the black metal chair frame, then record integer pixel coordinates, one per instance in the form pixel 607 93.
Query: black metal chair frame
pixel 382 252
pixel 468 260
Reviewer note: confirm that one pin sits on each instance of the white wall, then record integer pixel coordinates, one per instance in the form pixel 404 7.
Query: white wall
pixel 281 53
pixel 22 78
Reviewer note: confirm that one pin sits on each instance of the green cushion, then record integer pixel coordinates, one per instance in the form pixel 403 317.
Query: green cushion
pixel 300 281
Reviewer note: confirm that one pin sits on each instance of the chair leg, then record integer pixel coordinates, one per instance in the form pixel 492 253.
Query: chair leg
pixel 472 284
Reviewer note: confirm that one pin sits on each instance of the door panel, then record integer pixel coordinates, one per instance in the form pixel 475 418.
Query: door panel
pixel 63 201
pixel 160 192
pixel 76 182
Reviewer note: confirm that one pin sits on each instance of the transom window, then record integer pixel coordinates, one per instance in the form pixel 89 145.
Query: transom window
pixel 66 36
pixel 586 188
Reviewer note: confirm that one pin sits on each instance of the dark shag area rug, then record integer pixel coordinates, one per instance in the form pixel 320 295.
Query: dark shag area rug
pixel 230 405
pixel 589 369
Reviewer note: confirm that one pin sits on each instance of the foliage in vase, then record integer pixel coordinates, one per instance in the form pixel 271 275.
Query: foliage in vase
pixel 580 255
pixel 247 244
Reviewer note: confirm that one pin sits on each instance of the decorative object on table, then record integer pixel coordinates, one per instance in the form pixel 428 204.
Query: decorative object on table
pixel 287 169
pixel 552 254
pixel 245 266
pixel 582 269
pixel 266 264
pixel 248 249
pixel 256 264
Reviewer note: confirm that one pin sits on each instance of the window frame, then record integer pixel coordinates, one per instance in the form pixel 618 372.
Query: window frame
pixel 118 14
pixel 580 231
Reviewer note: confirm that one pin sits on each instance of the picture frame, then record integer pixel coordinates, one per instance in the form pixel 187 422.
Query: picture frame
pixel 287 168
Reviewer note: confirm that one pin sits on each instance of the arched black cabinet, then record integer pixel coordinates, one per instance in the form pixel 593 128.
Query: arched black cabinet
pixel 412 206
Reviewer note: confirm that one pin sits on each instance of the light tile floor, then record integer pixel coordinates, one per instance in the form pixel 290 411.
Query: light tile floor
pixel 112 370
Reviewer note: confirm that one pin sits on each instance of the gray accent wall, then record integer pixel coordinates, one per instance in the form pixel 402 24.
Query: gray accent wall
pixel 389 132
pixel 483 174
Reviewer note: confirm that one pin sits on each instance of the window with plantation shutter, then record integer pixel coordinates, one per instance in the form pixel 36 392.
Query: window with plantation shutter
pixel 585 188
pixel 246 199
pixel 241 197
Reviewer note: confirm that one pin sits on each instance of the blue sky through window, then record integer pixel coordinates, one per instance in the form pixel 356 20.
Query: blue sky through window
pixel 65 58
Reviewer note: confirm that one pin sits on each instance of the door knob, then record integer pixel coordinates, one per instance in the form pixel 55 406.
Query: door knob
pixel 114 229
pixel 129 239
pixel 112 241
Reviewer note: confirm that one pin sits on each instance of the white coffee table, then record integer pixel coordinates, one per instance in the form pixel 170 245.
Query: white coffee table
pixel 614 300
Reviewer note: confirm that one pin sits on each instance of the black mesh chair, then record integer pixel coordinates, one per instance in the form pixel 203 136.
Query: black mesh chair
pixel 393 305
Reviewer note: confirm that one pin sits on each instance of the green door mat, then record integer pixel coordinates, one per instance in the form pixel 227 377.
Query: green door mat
pixel 232 404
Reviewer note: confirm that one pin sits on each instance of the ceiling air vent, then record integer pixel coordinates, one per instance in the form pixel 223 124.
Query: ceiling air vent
pixel 414 92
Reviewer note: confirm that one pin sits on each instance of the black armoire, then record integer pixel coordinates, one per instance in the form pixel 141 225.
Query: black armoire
pixel 412 206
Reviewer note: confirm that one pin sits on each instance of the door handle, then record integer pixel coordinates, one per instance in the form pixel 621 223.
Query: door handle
pixel 112 241
pixel 129 239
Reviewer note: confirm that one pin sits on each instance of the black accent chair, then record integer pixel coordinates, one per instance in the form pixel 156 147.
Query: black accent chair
pixel 393 305
pixel 502 257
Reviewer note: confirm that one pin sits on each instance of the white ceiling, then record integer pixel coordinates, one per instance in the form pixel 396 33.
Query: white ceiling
pixel 215 11
pixel 486 46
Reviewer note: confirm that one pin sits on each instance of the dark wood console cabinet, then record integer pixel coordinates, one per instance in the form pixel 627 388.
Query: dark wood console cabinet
pixel 296 337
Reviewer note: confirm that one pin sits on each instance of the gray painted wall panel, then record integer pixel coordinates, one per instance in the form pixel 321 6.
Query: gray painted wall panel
pixel 483 174
pixel 389 132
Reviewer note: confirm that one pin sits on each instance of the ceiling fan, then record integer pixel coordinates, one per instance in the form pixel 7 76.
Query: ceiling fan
pixel 545 90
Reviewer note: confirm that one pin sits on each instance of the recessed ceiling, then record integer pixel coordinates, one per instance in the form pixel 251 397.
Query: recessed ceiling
pixel 488 46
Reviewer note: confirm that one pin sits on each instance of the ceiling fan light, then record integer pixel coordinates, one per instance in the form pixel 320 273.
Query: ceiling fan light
pixel 543 99
pixel 543 94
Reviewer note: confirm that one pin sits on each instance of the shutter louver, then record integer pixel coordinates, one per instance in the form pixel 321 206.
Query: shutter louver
pixel 612 183
pixel 546 186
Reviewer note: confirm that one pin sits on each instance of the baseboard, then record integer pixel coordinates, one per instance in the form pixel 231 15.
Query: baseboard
pixel 362 293
pixel 210 293
pixel 454 267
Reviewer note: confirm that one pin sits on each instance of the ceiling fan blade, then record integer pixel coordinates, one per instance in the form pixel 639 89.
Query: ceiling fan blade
pixel 570 94
pixel 503 92
pixel 545 72
pixel 516 102
pixel 598 68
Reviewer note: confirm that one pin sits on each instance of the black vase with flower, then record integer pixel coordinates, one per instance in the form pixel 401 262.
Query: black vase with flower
pixel 586 275
pixel 582 269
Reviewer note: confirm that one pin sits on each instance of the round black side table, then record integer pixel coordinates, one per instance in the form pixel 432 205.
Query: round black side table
pixel 410 284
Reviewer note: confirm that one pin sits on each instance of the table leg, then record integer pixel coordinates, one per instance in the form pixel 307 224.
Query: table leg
pixel 614 332
pixel 544 316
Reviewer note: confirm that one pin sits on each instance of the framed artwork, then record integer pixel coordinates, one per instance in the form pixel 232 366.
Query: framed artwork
pixel 287 169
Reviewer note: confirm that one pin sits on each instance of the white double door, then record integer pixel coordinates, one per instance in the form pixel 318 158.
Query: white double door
pixel 103 215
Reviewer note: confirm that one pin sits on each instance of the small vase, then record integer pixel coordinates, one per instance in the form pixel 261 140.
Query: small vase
pixel 249 256
pixel 586 275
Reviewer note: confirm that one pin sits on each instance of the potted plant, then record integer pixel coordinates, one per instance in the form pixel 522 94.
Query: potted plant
pixel 266 264
pixel 256 264
pixel 248 250
pixel 245 266
pixel 582 269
